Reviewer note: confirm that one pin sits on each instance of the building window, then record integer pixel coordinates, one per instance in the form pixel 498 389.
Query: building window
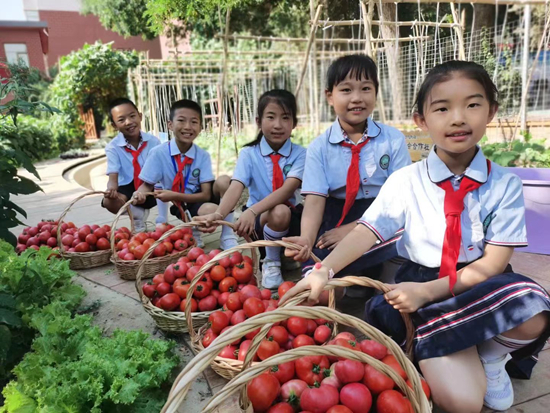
pixel 32 15
pixel 16 52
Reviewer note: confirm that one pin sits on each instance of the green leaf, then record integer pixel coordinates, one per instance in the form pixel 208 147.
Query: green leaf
pixel 8 236
pixel 16 401
pixel 7 301
pixel 5 342
pixel 9 318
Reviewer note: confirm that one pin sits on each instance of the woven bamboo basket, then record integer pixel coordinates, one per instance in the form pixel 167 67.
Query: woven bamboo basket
pixel 127 270
pixel 199 363
pixel 175 321
pixel 81 260
pixel 228 368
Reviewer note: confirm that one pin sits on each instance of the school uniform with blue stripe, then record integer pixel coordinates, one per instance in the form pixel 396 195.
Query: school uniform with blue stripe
pixel 161 167
pixel 254 170
pixel 325 175
pixel 493 214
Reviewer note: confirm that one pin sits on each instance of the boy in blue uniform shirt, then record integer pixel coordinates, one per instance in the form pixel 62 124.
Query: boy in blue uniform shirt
pixel 186 169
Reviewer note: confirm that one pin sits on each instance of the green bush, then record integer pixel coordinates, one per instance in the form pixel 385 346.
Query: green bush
pixel 32 136
pixel 528 154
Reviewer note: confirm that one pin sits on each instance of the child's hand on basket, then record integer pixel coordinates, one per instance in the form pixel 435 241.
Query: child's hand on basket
pixel 208 226
pixel 165 195
pixel 314 281
pixel 301 255
pixel 246 223
pixel 138 198
pixel 407 297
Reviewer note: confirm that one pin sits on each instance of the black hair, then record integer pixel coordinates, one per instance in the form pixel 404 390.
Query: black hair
pixel 444 71
pixel 281 97
pixel 359 65
pixel 185 104
pixel 117 102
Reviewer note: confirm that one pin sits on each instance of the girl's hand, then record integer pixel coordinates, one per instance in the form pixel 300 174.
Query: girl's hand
pixel 246 223
pixel 138 198
pixel 111 193
pixel 301 255
pixel 407 297
pixel 208 221
pixel 315 281
pixel 331 238
pixel 165 195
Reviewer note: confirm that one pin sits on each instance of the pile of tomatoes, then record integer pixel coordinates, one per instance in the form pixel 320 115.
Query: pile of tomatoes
pixel 130 247
pixel 321 384
pixel 87 238
pixel 169 290
pixel 44 233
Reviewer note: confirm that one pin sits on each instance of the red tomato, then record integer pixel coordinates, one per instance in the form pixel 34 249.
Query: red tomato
pixel 236 258
pixel 208 338
pixel 222 299
pixel 292 390
pixel 82 247
pixel 425 387
pixel 195 253
pixel 149 289
pixel 180 270
pixel 129 257
pixel 229 352
pixel 391 401
pixel 279 334
pixel 253 306
pixel 191 273
pixel 160 251
pixel 376 381
pixel 83 233
pixel 44 236
pixel 349 371
pixel 91 239
pixel 180 287
pixel 281 408
pixel 284 372
pixel 213 253
pixel 169 275
pixel 252 334
pixel 346 336
pixel 339 408
pixel 311 327
pixel 170 301
pixel 52 242
pixel 100 233
pixel 242 272
pixel 394 364
pixel 265 294
pixel 194 305
pixel 321 334
pixel 66 240
pixel 163 288
pixel 319 400
pixel 238 317
pixel 201 290
pixel 250 291
pixel 159 278
pixel 208 303
pixel 302 340
pixel 248 259
pixel 234 302
pixel 311 368
pixel 243 349
pixel 228 284
pixel 176 235
pixel 262 391
pixel 267 349
pixel 373 349
pixel 356 397
pixel 103 244
pixel 181 245
pixel 203 259
pixel 217 273
pixel 225 262
pixel 218 321
pixel 297 325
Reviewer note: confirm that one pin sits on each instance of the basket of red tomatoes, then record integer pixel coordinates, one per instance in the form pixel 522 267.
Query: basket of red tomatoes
pixel 164 297
pixel 335 378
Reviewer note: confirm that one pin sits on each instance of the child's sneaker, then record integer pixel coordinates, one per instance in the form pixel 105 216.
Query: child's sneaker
pixel 500 393
pixel 198 238
pixel 228 242
pixel 271 274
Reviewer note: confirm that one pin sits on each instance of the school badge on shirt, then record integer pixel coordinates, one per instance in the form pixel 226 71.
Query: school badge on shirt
pixel 196 172
pixel 487 221
pixel 287 169
pixel 385 161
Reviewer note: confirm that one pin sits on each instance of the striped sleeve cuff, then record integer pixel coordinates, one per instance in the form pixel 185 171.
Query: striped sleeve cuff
pixel 314 193
pixel 369 226
pixel 507 244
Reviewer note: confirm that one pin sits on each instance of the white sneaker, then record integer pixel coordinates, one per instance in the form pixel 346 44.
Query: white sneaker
pixel 271 274
pixel 500 393
pixel 198 238
pixel 139 225
pixel 228 242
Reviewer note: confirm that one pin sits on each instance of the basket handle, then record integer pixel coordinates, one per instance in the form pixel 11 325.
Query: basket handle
pixel 196 365
pixel 66 211
pixel 121 211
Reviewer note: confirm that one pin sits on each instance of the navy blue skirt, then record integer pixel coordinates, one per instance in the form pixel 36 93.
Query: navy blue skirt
pixel 370 264
pixel 468 319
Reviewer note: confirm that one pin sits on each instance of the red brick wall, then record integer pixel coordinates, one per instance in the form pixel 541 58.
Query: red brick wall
pixel 69 31
pixel 30 37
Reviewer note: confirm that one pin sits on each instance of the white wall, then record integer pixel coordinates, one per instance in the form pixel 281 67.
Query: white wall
pixel 12 10
pixel 57 5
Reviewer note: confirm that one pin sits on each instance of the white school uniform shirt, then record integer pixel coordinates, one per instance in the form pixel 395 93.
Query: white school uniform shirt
pixel 411 199
pixel 162 168
pixel 120 162
pixel 254 168
pixel 327 161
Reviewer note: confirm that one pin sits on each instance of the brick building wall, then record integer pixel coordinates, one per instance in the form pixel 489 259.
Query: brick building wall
pixel 70 30
pixel 30 37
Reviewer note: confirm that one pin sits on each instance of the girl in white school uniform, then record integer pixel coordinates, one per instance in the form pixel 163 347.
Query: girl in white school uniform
pixel 271 167
pixel 462 217
pixel 347 165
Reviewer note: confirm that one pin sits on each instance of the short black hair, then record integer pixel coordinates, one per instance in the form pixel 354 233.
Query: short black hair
pixel 359 65
pixel 444 71
pixel 117 102
pixel 185 104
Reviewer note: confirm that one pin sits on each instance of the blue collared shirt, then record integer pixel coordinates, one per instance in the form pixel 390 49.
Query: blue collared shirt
pixel 120 162
pixel 411 199
pixel 327 161
pixel 161 168
pixel 255 169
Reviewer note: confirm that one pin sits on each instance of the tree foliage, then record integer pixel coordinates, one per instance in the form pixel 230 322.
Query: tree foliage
pixel 124 17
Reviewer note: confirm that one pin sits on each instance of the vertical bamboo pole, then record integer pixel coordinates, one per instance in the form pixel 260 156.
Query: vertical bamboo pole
pixel 312 32
pixel 367 18
pixel 221 117
pixel 459 33
pixel 313 66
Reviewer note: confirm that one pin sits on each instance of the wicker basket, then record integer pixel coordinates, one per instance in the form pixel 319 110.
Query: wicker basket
pixel 175 321
pixel 228 368
pixel 199 363
pixel 81 260
pixel 127 270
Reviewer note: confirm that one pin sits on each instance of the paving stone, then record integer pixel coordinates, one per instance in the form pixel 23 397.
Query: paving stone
pixel 105 276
